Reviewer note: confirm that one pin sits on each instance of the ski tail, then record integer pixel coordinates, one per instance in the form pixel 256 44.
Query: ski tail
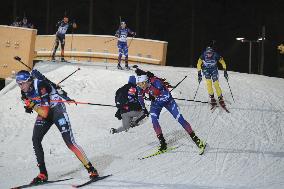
pixel 91 181
pixel 47 182
pixel 158 152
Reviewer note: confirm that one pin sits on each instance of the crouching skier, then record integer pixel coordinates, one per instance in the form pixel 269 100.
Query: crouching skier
pixel 128 106
pixel 40 96
pixel 160 97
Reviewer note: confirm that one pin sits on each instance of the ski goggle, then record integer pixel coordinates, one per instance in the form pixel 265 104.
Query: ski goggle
pixel 21 81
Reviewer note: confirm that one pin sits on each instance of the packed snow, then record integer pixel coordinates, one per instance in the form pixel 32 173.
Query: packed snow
pixel 245 147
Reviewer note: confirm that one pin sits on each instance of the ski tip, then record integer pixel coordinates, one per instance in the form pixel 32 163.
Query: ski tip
pixel 74 186
pixel 203 150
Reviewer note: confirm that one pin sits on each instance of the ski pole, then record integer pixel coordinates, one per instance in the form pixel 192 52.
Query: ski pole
pixel 190 100
pixel 230 90
pixel 75 102
pixel 53 46
pixel 68 76
pixel 196 91
pixel 178 83
pixel 20 60
pixel 109 40
pixel 130 41
pixel 72 39
pixel 73 24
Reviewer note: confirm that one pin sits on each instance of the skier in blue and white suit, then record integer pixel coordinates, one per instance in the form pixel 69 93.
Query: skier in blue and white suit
pixel 63 27
pixel 122 34
pixel 160 97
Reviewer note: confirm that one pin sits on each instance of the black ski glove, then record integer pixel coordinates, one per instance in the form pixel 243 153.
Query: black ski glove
pixel 199 76
pixel 118 115
pixel 28 110
pixel 146 112
pixel 152 98
pixel 226 75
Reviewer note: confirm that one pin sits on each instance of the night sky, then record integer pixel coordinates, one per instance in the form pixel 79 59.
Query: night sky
pixel 188 26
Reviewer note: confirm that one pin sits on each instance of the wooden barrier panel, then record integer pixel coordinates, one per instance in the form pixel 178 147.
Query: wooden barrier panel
pixel 103 48
pixel 15 41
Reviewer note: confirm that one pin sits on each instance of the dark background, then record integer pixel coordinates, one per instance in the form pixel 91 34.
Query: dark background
pixel 188 26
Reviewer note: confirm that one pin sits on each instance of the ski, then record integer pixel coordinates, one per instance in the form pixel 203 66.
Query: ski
pixel 91 181
pixel 125 69
pixel 225 108
pixel 158 153
pixel 201 150
pixel 213 107
pixel 60 61
pixel 47 182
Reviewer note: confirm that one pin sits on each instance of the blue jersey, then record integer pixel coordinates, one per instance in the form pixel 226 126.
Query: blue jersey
pixel 159 93
pixel 43 94
pixel 122 34
pixel 210 62
pixel 62 28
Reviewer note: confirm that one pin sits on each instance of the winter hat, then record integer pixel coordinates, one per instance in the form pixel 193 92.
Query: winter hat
pixel 132 80
pixel 141 78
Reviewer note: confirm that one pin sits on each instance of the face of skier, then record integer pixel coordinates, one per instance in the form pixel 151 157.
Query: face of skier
pixel 65 19
pixel 25 86
pixel 209 54
pixel 123 25
pixel 25 21
pixel 143 85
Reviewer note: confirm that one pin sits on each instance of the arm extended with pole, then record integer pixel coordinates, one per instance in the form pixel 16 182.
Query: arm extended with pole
pixel 178 83
pixel 19 60
pixel 87 103
pixel 76 102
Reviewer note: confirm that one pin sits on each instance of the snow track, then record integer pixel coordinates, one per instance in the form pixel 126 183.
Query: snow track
pixel 245 147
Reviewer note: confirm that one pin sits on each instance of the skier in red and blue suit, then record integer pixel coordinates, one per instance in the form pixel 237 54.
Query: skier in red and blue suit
pixel 160 97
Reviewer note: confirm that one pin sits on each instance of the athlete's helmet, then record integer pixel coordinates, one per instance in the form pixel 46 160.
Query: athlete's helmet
pixel 209 50
pixel 23 76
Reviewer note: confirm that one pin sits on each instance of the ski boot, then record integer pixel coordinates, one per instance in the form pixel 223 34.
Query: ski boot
pixel 162 142
pixel 127 67
pixel 93 173
pixel 221 101
pixel 213 102
pixel 113 130
pixel 53 58
pixel 42 177
pixel 63 60
pixel 119 67
pixel 199 143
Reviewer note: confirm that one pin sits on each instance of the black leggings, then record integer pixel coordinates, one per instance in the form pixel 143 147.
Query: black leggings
pixel 58 116
pixel 62 42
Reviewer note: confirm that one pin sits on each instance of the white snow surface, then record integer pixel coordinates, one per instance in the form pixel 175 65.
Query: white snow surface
pixel 245 147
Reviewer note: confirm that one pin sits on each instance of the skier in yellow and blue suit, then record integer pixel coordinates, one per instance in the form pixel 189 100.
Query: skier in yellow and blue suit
pixel 207 62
